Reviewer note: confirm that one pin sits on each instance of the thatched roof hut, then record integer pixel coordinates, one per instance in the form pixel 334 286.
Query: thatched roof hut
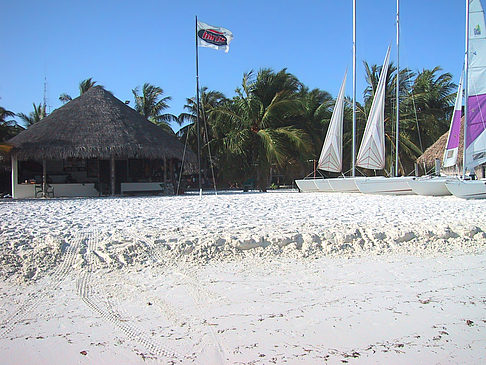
pixel 96 125
pixel 427 160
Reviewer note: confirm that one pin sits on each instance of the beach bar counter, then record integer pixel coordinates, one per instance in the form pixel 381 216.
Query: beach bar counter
pixel 96 145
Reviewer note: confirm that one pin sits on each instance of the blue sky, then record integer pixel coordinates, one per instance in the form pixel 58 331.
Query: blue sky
pixel 123 44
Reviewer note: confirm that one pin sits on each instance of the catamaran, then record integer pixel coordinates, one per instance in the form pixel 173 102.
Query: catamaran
pixel 330 158
pixel 372 150
pixel 371 154
pixel 436 185
pixel 475 108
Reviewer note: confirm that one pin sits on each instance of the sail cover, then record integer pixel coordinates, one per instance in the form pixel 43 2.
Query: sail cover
pixel 476 114
pixel 371 154
pixel 452 147
pixel 332 149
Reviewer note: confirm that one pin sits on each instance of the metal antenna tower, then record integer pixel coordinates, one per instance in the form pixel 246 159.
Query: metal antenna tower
pixel 48 108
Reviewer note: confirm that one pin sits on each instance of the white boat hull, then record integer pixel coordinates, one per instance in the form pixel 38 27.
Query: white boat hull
pixel 344 184
pixel 467 189
pixel 323 186
pixel 385 185
pixel 430 185
pixel 307 185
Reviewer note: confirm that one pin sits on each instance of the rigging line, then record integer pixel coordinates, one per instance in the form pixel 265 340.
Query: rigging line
pixel 209 148
pixel 416 121
pixel 182 165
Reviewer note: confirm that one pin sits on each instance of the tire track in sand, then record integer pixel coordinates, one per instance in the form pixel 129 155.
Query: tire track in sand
pixel 200 295
pixel 54 281
pixel 95 303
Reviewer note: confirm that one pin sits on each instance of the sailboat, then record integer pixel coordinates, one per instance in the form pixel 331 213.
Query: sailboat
pixel 330 158
pixel 371 154
pixel 372 150
pixel 475 110
pixel 436 185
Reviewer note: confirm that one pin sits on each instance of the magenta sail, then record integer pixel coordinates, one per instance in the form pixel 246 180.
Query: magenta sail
pixel 475 136
pixel 452 148
pixel 476 117
pixel 455 131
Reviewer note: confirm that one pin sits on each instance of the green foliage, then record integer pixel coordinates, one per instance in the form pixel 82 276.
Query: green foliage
pixel 84 86
pixel 37 115
pixel 276 125
pixel 8 126
pixel 261 124
pixel 151 103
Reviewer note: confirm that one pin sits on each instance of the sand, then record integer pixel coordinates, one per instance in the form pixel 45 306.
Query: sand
pixel 243 278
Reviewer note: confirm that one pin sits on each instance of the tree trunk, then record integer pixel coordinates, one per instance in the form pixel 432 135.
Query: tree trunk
pixel 263 174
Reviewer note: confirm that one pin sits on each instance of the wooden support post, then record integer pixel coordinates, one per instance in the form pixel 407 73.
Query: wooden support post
pixel 14 176
pixel 44 178
pixel 165 170
pixel 112 174
pixel 171 172
pixel 437 167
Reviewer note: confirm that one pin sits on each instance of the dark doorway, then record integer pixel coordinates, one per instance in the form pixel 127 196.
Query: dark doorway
pixel 120 174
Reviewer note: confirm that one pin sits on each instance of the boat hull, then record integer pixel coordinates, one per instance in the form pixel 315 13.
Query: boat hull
pixel 467 189
pixel 323 186
pixel 430 185
pixel 344 185
pixel 385 185
pixel 306 185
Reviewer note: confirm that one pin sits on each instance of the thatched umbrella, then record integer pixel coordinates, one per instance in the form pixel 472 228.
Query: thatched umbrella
pixel 436 151
pixel 96 125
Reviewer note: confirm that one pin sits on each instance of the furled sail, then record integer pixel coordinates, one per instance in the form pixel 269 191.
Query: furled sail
pixel 332 149
pixel 371 154
pixel 476 118
pixel 452 147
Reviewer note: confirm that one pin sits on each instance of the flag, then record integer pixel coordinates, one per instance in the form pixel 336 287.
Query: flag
pixel 213 37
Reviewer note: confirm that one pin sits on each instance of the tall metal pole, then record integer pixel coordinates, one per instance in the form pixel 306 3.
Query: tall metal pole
pixel 466 86
pixel 353 153
pixel 197 120
pixel 398 89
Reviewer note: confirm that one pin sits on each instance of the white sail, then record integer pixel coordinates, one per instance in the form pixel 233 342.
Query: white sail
pixel 452 147
pixel 371 154
pixel 332 149
pixel 476 117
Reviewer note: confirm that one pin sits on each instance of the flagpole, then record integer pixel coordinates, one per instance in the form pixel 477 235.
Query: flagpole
pixel 353 158
pixel 466 94
pixel 197 120
pixel 398 90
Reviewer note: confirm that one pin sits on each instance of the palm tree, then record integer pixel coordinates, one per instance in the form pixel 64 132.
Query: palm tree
pixel 208 101
pixel 317 111
pixel 209 135
pixel 151 103
pixel 84 86
pixel 35 116
pixel 8 127
pixel 259 123
pixel 429 106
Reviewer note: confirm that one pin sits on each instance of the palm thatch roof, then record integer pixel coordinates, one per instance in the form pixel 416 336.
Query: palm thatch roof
pixel 96 125
pixel 437 150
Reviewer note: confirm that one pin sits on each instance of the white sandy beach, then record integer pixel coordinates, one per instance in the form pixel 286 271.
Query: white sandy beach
pixel 243 278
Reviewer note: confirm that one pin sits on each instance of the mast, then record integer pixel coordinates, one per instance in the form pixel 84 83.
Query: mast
pixel 353 153
pixel 197 120
pixel 398 89
pixel 466 86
